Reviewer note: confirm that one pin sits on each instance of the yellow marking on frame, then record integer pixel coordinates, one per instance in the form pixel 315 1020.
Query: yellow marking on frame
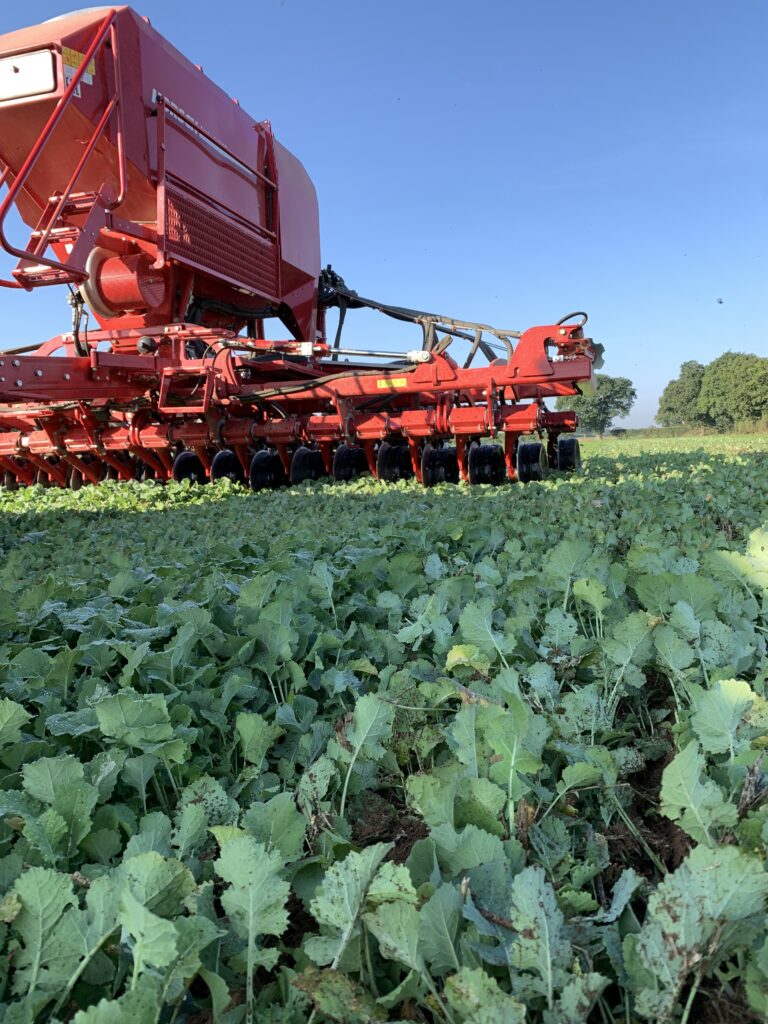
pixel 73 59
pixel 392 382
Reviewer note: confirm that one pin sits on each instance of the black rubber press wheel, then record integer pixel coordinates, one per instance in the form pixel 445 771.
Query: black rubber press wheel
pixel 568 454
pixel 439 466
pixel 393 462
pixel 266 472
pixel 485 464
pixel 306 464
pixel 349 462
pixel 188 466
pixel 226 465
pixel 531 462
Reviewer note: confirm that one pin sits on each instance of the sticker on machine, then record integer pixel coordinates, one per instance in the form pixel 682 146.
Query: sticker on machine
pixel 392 382
pixel 72 60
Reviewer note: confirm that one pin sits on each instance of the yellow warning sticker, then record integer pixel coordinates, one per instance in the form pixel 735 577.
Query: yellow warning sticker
pixel 392 382
pixel 73 59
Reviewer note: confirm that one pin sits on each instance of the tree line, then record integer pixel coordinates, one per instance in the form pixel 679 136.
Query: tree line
pixel 730 389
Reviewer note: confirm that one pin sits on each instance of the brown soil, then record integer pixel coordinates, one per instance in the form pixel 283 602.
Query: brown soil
pixel 376 819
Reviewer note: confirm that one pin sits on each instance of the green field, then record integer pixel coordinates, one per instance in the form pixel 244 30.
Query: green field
pixel 366 753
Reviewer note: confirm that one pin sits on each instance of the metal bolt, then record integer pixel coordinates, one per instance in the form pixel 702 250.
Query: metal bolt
pixel 562 330
pixel 66 376
pixel 2 380
pixel 16 362
pixel 19 383
pixel 38 373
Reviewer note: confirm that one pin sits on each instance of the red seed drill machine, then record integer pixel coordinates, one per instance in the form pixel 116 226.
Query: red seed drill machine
pixel 189 234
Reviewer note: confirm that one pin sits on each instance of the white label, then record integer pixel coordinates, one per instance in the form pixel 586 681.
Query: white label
pixel 29 74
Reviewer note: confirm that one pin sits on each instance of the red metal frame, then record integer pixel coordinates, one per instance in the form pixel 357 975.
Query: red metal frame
pixel 175 222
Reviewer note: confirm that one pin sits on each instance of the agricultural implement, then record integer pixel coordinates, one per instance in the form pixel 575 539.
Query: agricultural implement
pixel 187 232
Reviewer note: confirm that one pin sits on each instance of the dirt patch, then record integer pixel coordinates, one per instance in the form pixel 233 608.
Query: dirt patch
pixel 715 1006
pixel 300 921
pixel 384 819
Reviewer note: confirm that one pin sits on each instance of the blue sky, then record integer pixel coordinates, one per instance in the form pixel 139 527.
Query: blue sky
pixel 510 162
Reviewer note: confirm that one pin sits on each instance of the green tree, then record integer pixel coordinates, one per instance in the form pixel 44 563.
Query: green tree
pixel 734 387
pixel 679 402
pixel 611 397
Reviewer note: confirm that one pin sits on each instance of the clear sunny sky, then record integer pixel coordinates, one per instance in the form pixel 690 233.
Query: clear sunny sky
pixel 509 162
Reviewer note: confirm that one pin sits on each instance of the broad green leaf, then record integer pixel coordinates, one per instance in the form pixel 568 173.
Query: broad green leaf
pixel 540 943
pixel 392 882
pixel 476 624
pixel 338 902
pixel 256 736
pixel 161 884
pixel 371 725
pixel 48 950
pixel 141 1005
pixel 696 803
pixel 396 927
pixel 338 998
pixel 477 999
pixel 438 929
pixel 720 714
pixel 133 719
pixel 279 825
pixel 153 938
pixel 696 916
pixel 13 718
pixel 256 895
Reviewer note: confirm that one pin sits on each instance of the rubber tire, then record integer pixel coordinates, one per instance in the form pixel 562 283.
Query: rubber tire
pixel 349 462
pixel 306 464
pixel 266 471
pixel 187 466
pixel 568 454
pixel 393 462
pixel 531 462
pixel 486 465
pixel 439 466
pixel 225 465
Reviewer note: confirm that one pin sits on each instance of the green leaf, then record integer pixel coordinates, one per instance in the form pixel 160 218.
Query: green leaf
pixel 13 718
pixel 141 1005
pixel 256 736
pixel 153 938
pixel 279 825
pixel 256 897
pixel 697 805
pixel 396 927
pixel 161 884
pixel 696 917
pixel 338 998
pixel 134 720
pixel 438 928
pixel 392 882
pixel 540 944
pixel 338 903
pixel 477 998
pixel 476 625
pixel 720 714
pixel 371 725
pixel 48 950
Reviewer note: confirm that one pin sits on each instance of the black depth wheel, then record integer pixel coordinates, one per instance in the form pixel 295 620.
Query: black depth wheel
pixel 187 466
pixel 266 471
pixel 393 462
pixel 531 462
pixel 568 454
pixel 226 465
pixel 306 464
pixel 439 466
pixel 9 480
pixel 349 462
pixel 485 464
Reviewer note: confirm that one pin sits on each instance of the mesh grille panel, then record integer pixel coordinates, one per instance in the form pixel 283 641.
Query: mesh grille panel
pixel 199 235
